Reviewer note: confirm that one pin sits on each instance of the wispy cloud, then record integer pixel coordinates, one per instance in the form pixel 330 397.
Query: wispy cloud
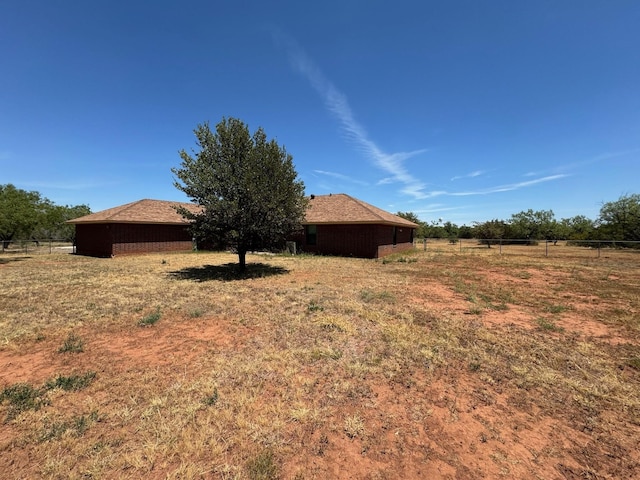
pixel 477 173
pixel 501 188
pixel 513 186
pixel 583 163
pixel 391 163
pixel 342 177
pixel 337 103
pixel 608 156
pixel 437 208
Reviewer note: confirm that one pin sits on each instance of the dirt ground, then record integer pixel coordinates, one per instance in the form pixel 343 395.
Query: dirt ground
pixel 456 422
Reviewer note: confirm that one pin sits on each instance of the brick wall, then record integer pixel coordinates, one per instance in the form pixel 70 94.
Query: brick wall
pixel 138 238
pixel 105 240
pixel 384 250
pixel 357 240
pixel 93 240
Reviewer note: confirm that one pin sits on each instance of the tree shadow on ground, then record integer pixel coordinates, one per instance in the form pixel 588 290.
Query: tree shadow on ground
pixel 4 260
pixel 227 272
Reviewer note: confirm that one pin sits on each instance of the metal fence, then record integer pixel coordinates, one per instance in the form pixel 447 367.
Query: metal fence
pixel 36 246
pixel 545 248
pixel 542 248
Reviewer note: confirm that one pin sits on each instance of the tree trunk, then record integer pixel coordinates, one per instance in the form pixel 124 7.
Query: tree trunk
pixel 242 260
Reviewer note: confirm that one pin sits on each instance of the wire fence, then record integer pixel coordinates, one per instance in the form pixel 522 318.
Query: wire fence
pixel 36 246
pixel 504 246
pixel 539 248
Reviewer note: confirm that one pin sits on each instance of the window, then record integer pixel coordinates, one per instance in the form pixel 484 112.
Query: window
pixel 311 234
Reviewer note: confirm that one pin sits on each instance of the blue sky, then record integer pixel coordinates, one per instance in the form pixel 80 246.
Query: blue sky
pixel 460 110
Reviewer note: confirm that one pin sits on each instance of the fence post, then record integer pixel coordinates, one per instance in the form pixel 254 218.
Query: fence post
pixel 500 246
pixel 546 248
pixel 424 244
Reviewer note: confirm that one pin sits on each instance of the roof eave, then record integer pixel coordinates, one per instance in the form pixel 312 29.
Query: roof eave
pixel 360 222
pixel 139 222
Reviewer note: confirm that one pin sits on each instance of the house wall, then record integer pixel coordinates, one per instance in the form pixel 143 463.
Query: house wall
pixel 105 240
pixel 357 240
pixel 384 250
pixel 404 242
pixel 139 238
pixel 93 240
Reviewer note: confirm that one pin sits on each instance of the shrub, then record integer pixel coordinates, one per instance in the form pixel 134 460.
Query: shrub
pixel 72 344
pixel 212 399
pixel 548 325
pixel 315 307
pixel 150 319
pixel 74 382
pixel 22 397
pixel 262 467
pixel 353 426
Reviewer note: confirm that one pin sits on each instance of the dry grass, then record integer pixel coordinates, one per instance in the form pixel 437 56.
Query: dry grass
pixel 437 364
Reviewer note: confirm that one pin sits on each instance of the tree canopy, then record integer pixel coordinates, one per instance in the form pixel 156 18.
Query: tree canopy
pixel 26 215
pixel 19 212
pixel 533 225
pixel 619 220
pixel 490 231
pixel 246 185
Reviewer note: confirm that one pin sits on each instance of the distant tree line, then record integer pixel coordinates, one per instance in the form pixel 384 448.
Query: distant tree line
pixel 28 215
pixel 619 220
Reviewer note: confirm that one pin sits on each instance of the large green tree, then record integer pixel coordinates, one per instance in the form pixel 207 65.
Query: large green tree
pixel 534 225
pixel 20 212
pixel 25 215
pixel 620 219
pixel 247 186
pixel 491 231
pixel 53 222
pixel 578 227
pixel 412 217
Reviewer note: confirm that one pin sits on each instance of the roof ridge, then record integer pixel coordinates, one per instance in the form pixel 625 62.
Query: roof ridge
pixel 346 209
pixel 156 200
pixel 128 206
pixel 140 211
pixel 372 209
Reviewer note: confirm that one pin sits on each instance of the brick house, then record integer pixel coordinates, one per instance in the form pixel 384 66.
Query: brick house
pixel 338 224
pixel 335 224
pixel 139 227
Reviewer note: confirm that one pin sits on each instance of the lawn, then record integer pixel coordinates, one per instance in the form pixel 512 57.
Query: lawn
pixel 436 364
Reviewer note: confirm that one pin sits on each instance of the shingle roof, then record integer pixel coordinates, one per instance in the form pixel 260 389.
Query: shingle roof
pixel 323 209
pixel 142 211
pixel 342 209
